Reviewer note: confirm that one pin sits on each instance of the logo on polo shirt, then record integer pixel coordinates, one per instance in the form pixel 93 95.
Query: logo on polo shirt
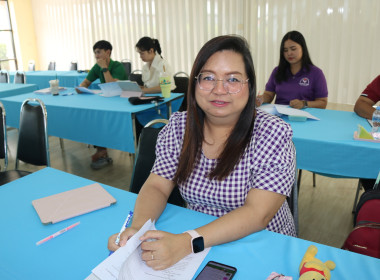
pixel 304 82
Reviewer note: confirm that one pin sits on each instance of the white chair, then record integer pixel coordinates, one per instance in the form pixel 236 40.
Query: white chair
pixel 4 76
pixel 31 65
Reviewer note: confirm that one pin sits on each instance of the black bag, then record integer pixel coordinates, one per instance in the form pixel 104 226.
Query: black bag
pixel 365 237
pixel 145 100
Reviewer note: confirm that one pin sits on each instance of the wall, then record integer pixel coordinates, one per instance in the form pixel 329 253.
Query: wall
pixel 24 32
pixel 342 35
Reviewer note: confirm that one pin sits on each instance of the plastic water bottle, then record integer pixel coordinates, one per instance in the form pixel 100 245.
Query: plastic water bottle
pixel 376 123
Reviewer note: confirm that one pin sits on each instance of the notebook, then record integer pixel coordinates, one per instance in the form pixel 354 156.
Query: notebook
pixel 120 88
pixel 69 204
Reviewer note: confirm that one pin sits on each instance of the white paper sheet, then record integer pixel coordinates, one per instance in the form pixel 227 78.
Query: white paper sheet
pixel 294 112
pixel 110 267
pixel 269 108
pixel 115 89
pixel 126 263
pixel 86 90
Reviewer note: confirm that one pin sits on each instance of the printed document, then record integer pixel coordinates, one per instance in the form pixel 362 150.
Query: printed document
pixel 278 110
pixel 126 263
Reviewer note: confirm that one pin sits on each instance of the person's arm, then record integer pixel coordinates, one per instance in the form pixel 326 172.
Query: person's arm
pixel 150 203
pixel 266 97
pixel 86 83
pixel 317 103
pixel 108 77
pixel 258 210
pixel 156 89
pixel 363 107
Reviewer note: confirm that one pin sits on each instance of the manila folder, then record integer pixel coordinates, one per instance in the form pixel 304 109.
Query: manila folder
pixel 69 204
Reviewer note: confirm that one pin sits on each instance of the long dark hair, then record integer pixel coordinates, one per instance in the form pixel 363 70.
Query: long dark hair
pixel 282 73
pixel 240 135
pixel 147 43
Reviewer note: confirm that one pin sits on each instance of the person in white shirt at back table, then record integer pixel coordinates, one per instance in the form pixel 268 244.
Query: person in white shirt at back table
pixel 150 52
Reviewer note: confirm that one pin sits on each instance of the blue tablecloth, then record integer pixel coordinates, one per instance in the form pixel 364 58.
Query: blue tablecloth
pixel 327 146
pixel 86 118
pixel 15 89
pixel 66 78
pixel 75 253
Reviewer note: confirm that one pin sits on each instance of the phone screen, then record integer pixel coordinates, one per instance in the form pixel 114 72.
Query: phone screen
pixel 216 271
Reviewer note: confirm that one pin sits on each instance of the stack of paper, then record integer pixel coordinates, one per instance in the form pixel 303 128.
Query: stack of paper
pixel 126 263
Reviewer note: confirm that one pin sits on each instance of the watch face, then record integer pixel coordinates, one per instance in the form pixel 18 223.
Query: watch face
pixel 198 244
pixel 104 70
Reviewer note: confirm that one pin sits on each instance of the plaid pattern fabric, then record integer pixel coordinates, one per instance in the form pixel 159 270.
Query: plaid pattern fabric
pixel 268 163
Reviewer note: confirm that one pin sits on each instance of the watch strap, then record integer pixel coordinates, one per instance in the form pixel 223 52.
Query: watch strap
pixel 193 233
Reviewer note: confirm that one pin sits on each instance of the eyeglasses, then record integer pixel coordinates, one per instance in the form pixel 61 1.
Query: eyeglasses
pixel 232 83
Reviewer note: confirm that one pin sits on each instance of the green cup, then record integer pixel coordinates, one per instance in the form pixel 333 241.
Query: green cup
pixel 166 86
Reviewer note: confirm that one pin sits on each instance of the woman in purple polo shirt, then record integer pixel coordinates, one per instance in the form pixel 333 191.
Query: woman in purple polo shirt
pixel 227 159
pixel 296 81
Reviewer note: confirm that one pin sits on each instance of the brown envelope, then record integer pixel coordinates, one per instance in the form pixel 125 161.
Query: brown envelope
pixel 69 204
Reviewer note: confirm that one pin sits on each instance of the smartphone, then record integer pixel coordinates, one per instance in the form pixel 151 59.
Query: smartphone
pixel 216 271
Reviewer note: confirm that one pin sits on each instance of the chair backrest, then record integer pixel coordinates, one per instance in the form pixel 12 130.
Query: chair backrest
pixel 3 137
pixel 181 80
pixel 145 159
pixel 4 76
pixel 31 65
pixel 33 142
pixel 20 77
pixel 73 66
pixel 293 198
pixel 136 76
pixel 51 65
pixel 127 66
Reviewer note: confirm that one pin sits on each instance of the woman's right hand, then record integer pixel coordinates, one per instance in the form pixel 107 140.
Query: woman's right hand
pixel 124 237
pixel 259 100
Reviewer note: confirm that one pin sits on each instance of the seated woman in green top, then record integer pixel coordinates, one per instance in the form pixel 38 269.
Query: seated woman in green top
pixel 107 71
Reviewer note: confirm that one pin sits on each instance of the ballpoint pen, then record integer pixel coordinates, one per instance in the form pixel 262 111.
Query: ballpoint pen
pixel 57 233
pixel 125 225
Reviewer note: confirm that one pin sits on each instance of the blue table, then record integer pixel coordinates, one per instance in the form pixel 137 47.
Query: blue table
pixel 15 89
pixel 74 254
pixel 92 119
pixel 327 146
pixel 66 78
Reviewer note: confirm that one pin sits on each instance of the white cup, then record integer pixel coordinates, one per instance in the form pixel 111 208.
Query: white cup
pixel 54 87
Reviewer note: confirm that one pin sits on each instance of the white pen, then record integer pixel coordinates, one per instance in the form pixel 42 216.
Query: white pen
pixel 57 233
pixel 125 225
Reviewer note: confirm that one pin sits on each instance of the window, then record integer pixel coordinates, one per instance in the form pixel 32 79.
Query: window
pixel 7 50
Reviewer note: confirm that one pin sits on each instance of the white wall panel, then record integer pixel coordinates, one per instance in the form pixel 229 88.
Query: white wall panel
pixel 342 35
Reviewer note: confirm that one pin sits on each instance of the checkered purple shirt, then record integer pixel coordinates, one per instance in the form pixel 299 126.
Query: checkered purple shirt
pixel 268 163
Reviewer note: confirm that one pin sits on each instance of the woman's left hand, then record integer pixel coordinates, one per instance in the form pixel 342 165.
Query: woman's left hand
pixel 162 249
pixel 296 103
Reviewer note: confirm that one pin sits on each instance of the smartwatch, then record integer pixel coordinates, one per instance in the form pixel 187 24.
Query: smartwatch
pixel 197 244
pixel 104 70
pixel 305 104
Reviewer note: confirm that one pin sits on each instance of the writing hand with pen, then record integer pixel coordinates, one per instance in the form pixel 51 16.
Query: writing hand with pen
pixel 160 249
